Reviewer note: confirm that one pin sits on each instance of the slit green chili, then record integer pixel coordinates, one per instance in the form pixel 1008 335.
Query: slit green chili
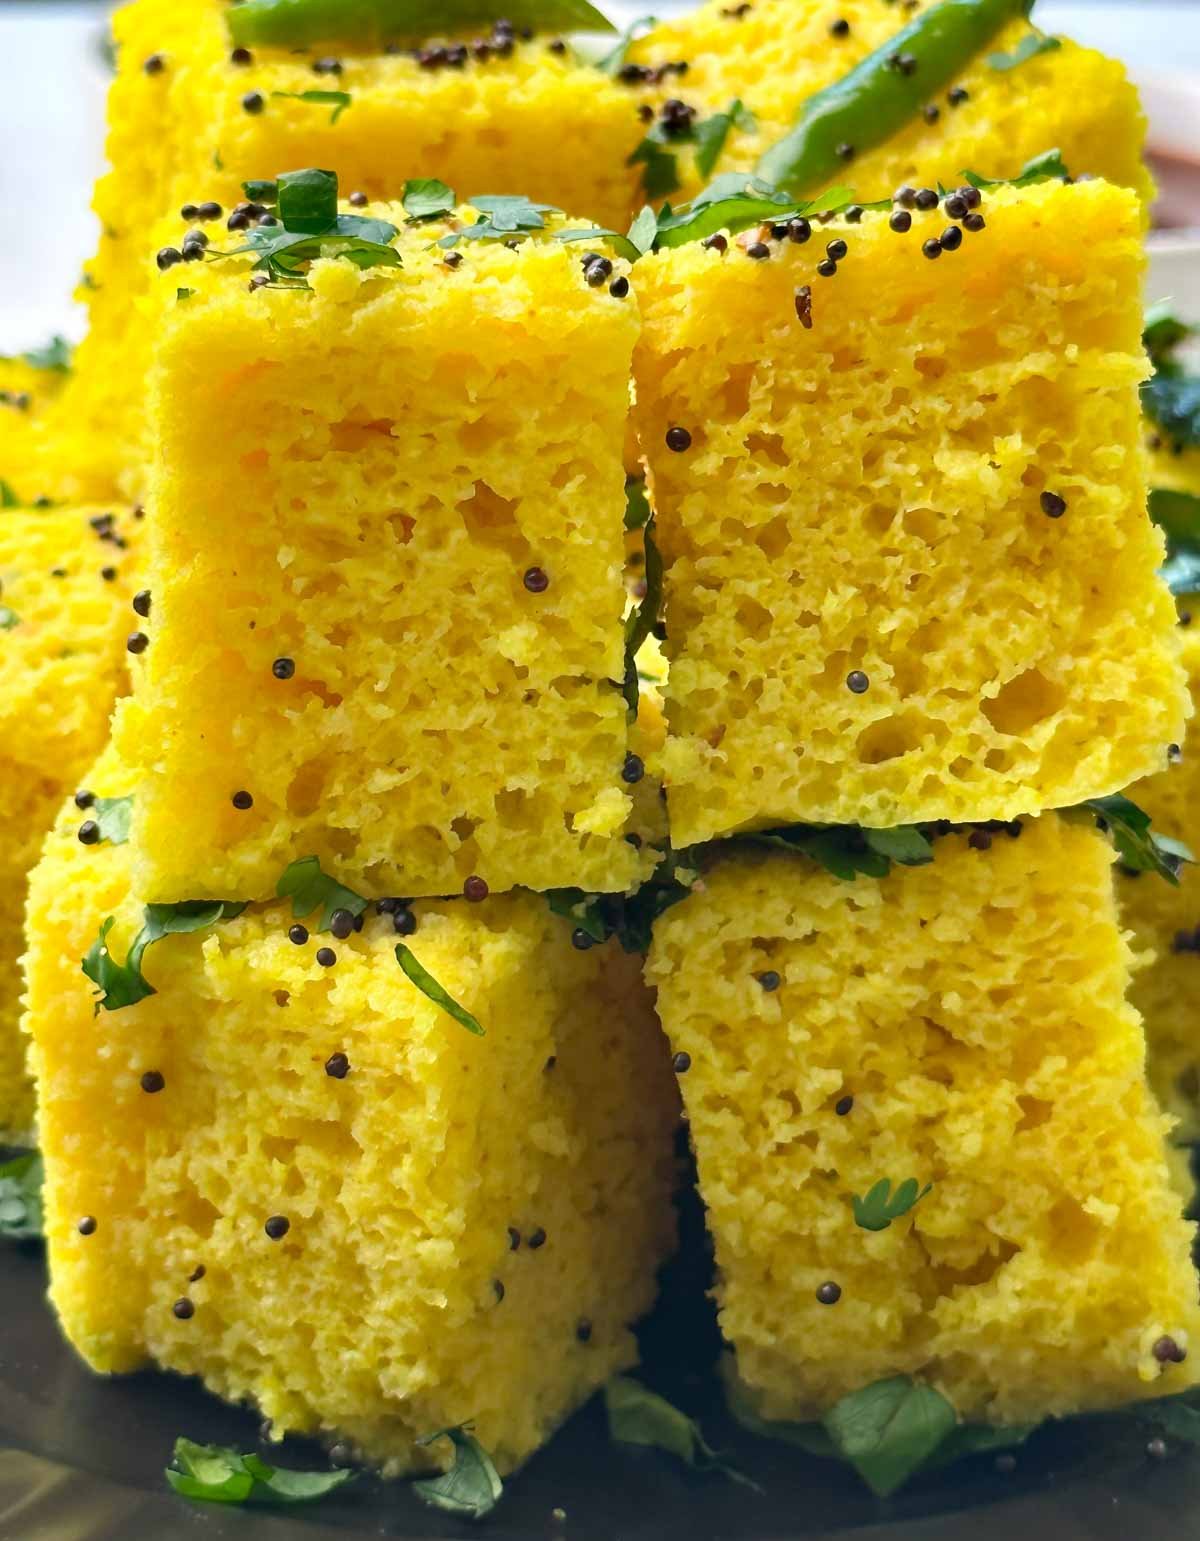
pixel 369 24
pixel 880 95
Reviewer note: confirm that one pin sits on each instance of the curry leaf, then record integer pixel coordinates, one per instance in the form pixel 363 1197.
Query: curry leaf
pixel 1162 332
pixel 428 985
pixel 8 618
pixel 637 504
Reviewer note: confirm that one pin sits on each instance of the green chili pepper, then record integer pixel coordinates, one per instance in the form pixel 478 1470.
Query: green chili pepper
pixel 877 98
pixel 369 24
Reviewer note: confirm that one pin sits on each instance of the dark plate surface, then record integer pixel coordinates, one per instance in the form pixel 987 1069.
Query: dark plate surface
pixel 81 1459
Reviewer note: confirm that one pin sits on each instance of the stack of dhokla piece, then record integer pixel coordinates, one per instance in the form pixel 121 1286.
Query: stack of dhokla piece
pixel 380 673
pixel 383 656
pixel 910 579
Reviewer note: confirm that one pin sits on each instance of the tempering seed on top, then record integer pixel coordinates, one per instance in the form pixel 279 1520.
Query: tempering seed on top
pixel 633 769
pixel 298 934
pixel 1053 506
pixel 536 580
pixel 857 682
pixel 475 890
pixel 681 1063
pixel 932 248
pixel 827 267
pixel 141 602
pixel 137 642
pixel 829 1293
pixel 925 198
pixel 253 102
pixel 242 800
pixel 277 1226
pixel 759 251
pixel 900 221
pixel 404 922
pixel 89 832
pixel 184 1309
pixel 337 1066
pixel 153 1081
pixel 87 1225
pixel 581 940
pixel 326 957
pixel 769 979
pixel 678 439
pixel 843 1105
pixel 341 924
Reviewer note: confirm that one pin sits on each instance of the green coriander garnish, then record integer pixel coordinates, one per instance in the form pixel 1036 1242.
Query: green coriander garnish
pixel 428 985
pixel 1030 46
pixel 1139 848
pixel 309 889
pixel 124 984
pixel 219 1474
pixel 472 1486
pixel 338 100
pixel 879 1206
pixel 639 1416
pixel 21 1180
pixel 113 815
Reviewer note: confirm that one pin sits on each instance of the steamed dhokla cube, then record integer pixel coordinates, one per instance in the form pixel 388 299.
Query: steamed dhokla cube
pixel 30 384
pixel 386 562
pixel 962 1024
pixel 315 1189
pixel 772 56
pixel 910 574
pixel 191 115
pixel 65 587
pixel 1165 920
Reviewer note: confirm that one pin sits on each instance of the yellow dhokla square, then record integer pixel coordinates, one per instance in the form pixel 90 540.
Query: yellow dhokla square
pixel 65 586
pixel 963 1024
pixel 461 1228
pixel 910 574
pixel 407 485
pixel 1166 920
pixel 774 55
pixel 189 121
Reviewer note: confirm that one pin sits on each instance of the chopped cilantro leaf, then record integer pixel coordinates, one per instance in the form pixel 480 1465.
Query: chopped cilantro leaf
pixel 1139 848
pixel 428 985
pixel 1030 46
pixel 8 618
pixel 56 354
pixel 428 199
pixel 1178 515
pixel 113 815
pixel 124 984
pixel 711 134
pixel 471 1487
pixel 309 889
pixel 642 620
pixel 219 1474
pixel 1042 168
pixel 879 1206
pixel 338 100
pixel 21 1196
pixel 639 1416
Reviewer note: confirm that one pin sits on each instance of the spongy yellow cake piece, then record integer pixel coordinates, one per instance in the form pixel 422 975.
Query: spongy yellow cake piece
pixel 1166 920
pixel 412 491
pixel 774 54
pixel 962 1023
pixel 383 1225
pixel 188 123
pixel 65 584
pixel 910 574
pixel 28 393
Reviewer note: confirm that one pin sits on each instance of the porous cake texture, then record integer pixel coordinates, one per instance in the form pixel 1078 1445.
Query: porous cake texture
pixel 311 1187
pixel 190 119
pixel 386 560
pixel 65 587
pixel 28 392
pixel 1165 920
pixel 963 1024
pixel 773 55
pixel 910 574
